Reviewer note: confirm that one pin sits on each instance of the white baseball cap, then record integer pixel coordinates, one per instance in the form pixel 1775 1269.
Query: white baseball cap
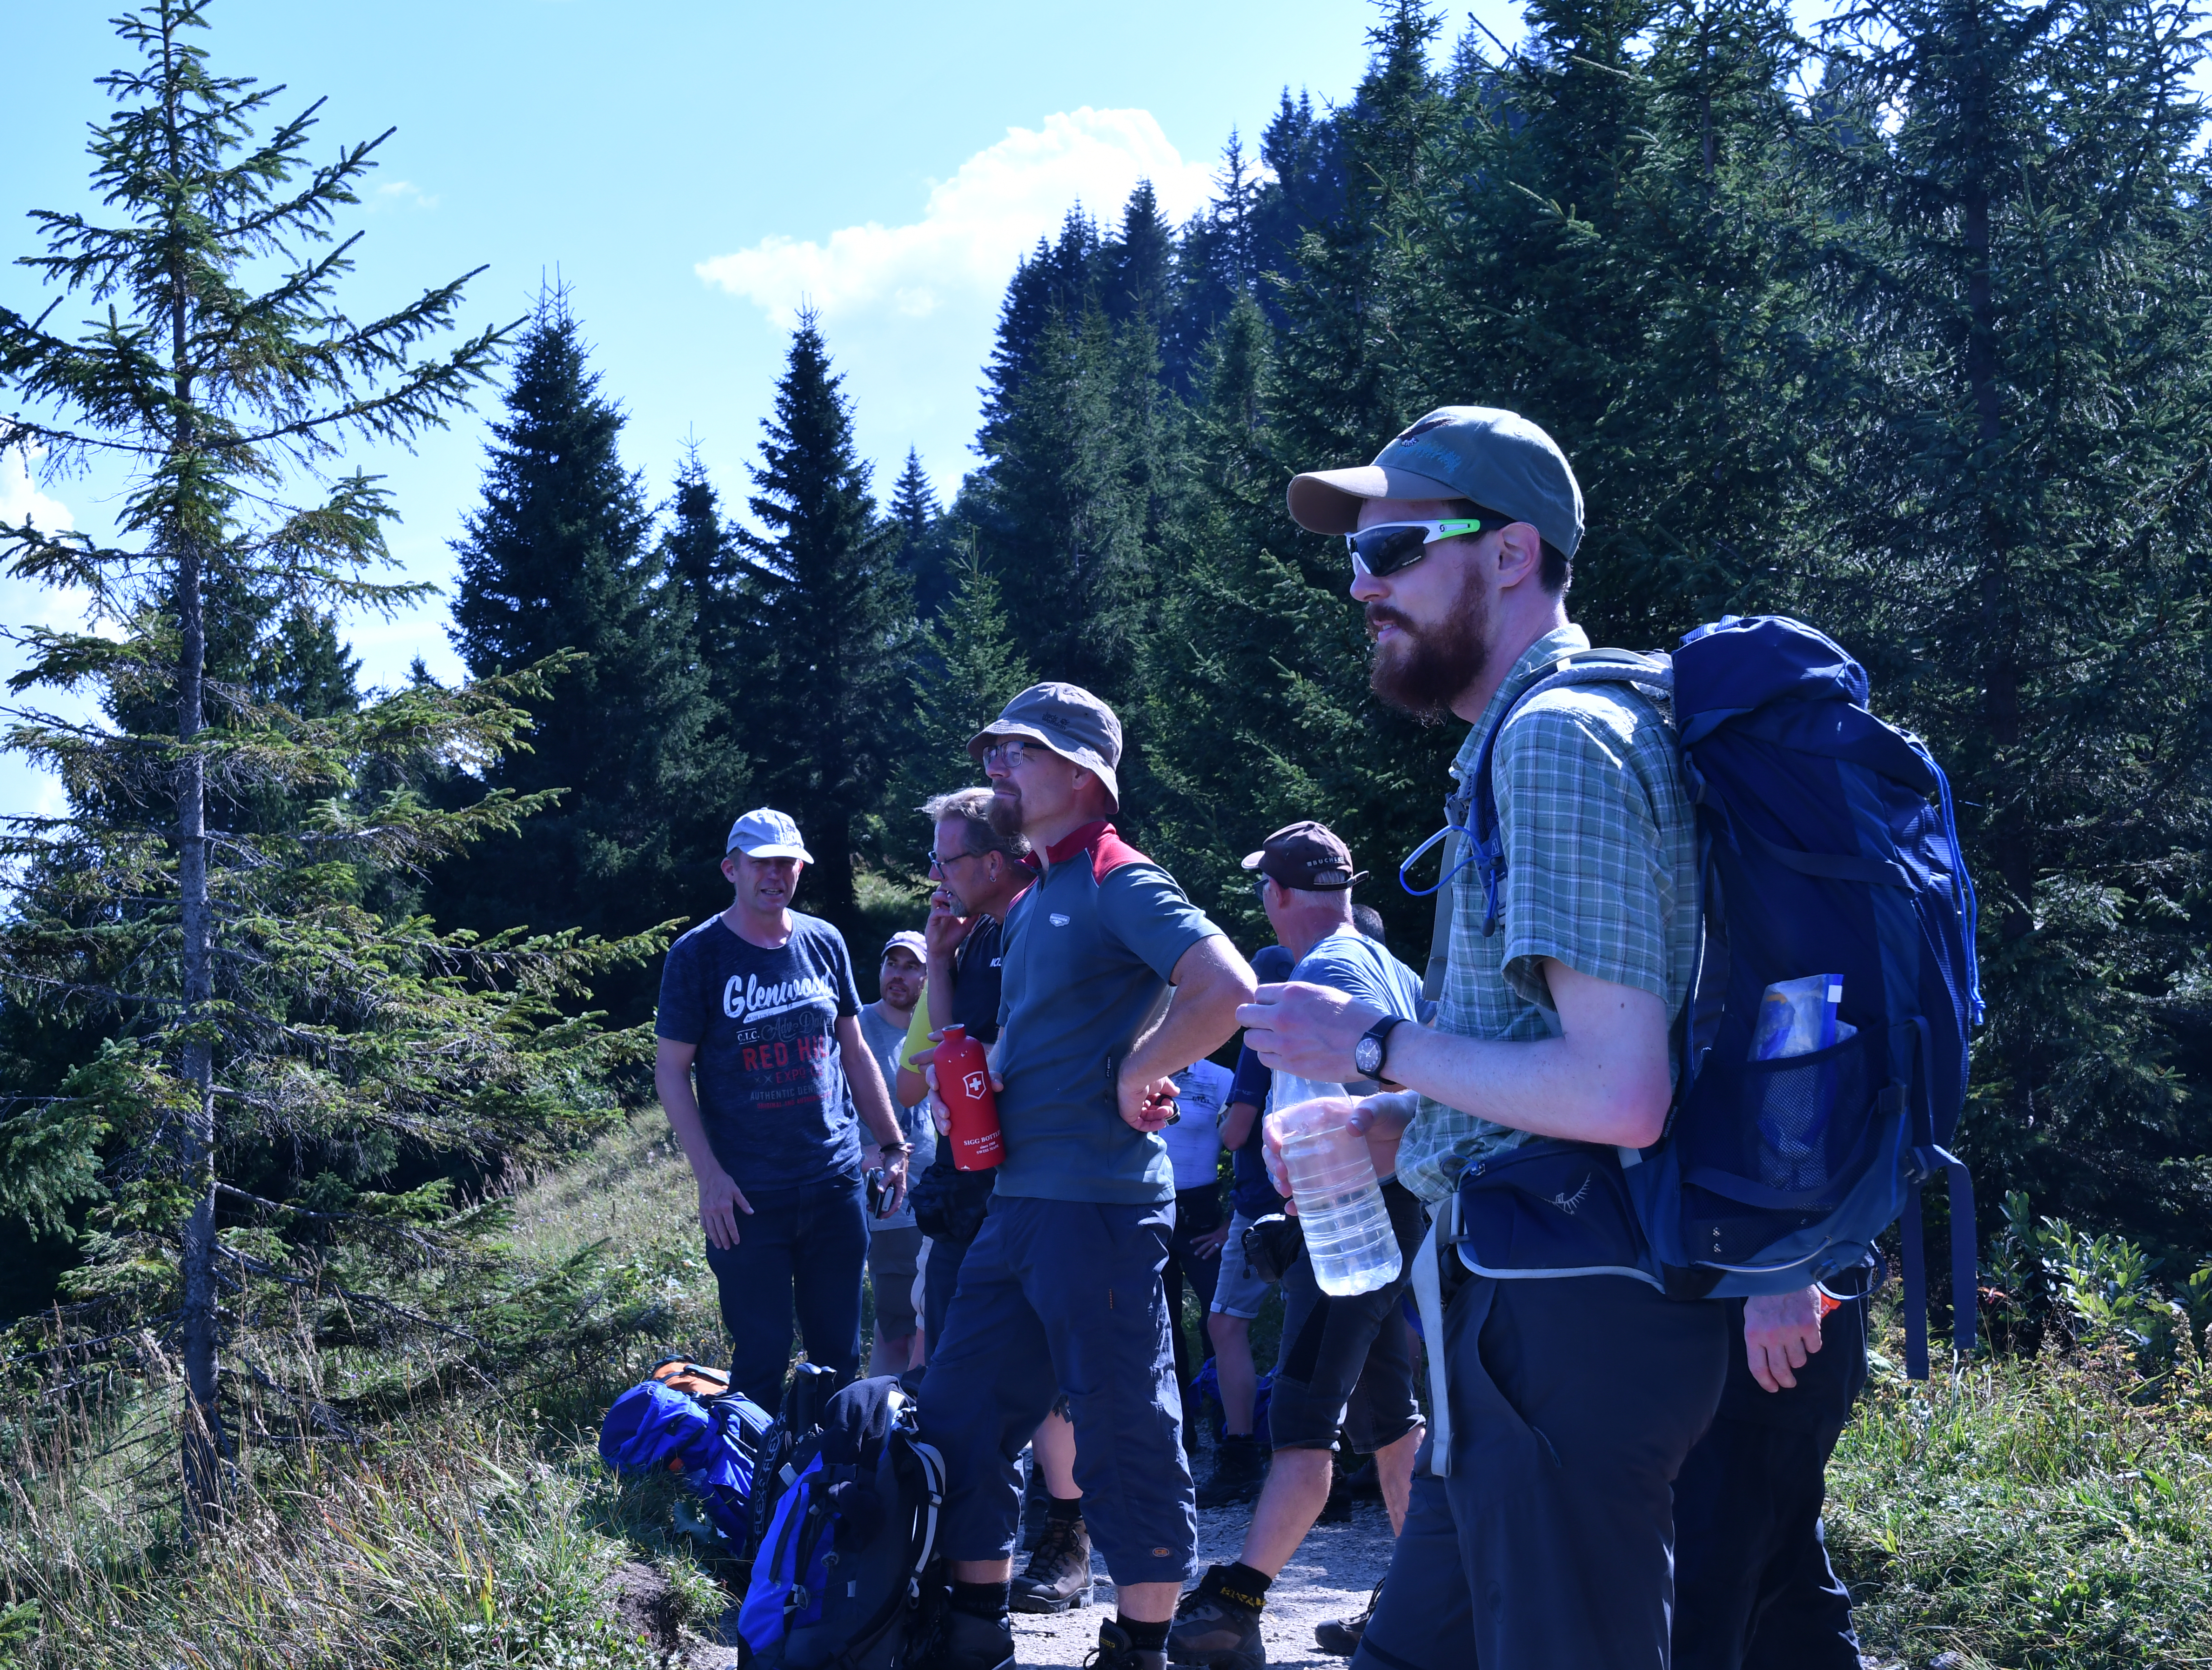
pixel 765 833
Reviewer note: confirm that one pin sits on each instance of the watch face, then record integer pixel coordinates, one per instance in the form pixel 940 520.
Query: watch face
pixel 1367 1056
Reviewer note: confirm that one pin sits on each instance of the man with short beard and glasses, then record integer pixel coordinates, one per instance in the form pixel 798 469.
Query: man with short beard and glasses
pixel 1114 982
pixel 1540 1528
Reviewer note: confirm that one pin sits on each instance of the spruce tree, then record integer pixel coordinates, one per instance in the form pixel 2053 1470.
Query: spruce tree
pixel 222 991
pixel 1349 384
pixel 697 553
pixel 1216 261
pixel 2018 535
pixel 969 668
pixel 833 623
pixel 556 560
pixel 1062 527
pixel 925 551
pixel 1310 188
pixel 1139 277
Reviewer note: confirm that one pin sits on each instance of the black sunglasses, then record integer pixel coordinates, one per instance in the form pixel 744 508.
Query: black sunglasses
pixel 1389 546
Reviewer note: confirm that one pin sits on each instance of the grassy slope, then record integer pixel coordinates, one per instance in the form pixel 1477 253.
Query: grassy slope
pixel 2020 1514
pixel 480 1530
pixel 2028 1514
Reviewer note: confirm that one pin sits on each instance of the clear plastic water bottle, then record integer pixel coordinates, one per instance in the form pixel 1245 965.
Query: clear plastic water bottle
pixel 1348 1234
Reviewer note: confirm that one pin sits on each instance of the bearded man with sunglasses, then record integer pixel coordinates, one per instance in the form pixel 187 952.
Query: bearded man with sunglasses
pixel 1540 1529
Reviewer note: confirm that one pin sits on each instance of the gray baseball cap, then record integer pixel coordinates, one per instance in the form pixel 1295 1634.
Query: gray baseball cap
pixel 766 832
pixel 1069 720
pixel 1497 458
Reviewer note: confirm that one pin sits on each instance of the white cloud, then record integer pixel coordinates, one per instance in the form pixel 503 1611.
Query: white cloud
pixel 400 194
pixel 21 499
pixel 974 227
pixel 26 603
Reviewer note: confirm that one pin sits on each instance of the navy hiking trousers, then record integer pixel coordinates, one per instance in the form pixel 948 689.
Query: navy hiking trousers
pixel 1065 1296
pixel 1574 1402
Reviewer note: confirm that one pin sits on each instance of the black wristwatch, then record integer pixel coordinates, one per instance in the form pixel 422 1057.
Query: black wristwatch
pixel 1367 1054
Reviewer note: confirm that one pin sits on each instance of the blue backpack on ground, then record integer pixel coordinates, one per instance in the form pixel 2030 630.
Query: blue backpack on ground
pixel 1826 845
pixel 685 1420
pixel 1206 1385
pixel 838 1578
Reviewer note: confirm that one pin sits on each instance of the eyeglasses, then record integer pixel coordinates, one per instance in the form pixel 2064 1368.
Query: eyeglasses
pixel 1010 754
pixel 1389 546
pixel 938 865
pixel 1259 888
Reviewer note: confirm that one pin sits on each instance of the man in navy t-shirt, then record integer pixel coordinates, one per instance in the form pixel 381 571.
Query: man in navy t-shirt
pixel 760 1066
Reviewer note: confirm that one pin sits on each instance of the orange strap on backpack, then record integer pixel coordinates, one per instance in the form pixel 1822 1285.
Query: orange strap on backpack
pixel 681 1374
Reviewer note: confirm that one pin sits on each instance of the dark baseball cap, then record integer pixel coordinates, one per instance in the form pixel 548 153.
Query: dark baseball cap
pixel 1497 458
pixel 1069 720
pixel 1307 856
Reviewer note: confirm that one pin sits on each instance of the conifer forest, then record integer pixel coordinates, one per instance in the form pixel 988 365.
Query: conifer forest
pixel 1898 320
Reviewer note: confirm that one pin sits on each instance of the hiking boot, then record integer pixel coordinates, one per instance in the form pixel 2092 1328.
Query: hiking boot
pixel 1059 1575
pixel 1240 1468
pixel 1340 1637
pixel 970 1643
pixel 1115 1651
pixel 1218 1630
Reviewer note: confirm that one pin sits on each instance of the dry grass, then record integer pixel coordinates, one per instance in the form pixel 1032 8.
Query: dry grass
pixel 475 1530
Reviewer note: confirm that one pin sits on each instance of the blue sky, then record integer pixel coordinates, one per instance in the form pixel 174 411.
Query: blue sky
pixel 693 171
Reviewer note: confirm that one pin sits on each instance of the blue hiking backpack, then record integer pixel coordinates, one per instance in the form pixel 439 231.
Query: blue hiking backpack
pixel 1826 845
pixel 838 1579
pixel 685 1420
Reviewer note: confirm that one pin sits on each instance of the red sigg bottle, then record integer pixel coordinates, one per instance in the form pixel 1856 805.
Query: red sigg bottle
pixel 963 1080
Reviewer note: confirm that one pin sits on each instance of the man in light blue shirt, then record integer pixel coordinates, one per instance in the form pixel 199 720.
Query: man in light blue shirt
pixel 1345 1362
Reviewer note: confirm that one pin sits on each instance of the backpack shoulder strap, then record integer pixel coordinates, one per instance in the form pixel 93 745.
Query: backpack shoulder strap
pixel 1653 675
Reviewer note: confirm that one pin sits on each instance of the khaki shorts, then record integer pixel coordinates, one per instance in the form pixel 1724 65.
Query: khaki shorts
pixel 1236 1291
pixel 893 1257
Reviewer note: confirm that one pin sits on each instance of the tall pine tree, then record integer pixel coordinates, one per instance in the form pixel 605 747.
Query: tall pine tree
pixel 827 692
pixel 925 543
pixel 556 560
pixel 191 930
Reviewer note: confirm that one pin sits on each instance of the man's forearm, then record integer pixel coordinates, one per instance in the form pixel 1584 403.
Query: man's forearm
pixel 681 1104
pixel 1200 1018
pixel 1237 1123
pixel 937 992
pixel 1549 1087
pixel 1604 1079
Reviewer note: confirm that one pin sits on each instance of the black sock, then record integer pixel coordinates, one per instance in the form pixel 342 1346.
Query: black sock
pixel 985 1601
pixel 1064 1510
pixel 1241 1583
pixel 1144 1637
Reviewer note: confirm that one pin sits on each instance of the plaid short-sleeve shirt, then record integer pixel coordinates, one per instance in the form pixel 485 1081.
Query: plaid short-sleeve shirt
pixel 1600 853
